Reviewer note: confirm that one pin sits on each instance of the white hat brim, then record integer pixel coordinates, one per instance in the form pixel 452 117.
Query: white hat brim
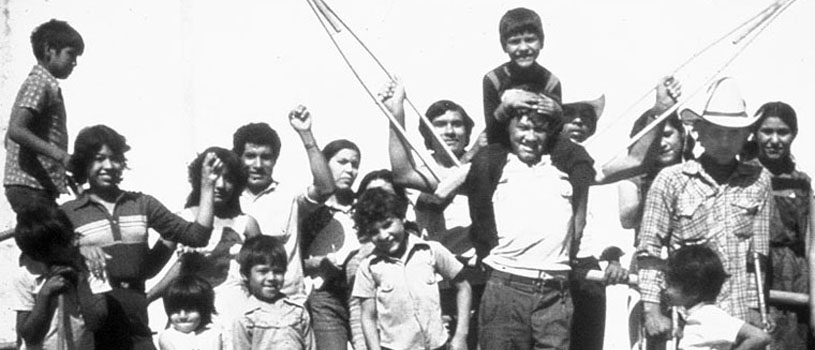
pixel 688 115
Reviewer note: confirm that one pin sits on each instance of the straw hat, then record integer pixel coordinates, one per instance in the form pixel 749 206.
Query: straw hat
pixel 725 106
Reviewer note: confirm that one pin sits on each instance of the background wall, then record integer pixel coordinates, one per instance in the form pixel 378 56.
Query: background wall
pixel 177 76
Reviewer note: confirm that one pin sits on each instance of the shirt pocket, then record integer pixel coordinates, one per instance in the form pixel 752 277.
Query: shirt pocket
pixel 743 212
pixel 691 218
pixel 277 332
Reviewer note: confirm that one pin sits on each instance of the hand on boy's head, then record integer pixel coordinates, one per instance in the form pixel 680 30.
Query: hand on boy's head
pixel 517 98
pixel 300 118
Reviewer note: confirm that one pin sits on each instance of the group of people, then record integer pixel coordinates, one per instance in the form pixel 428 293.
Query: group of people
pixel 487 247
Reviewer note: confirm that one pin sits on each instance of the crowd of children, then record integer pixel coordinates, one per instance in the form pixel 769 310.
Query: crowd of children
pixel 497 256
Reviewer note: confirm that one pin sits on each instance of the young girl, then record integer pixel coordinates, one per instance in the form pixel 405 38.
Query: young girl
pixel 190 303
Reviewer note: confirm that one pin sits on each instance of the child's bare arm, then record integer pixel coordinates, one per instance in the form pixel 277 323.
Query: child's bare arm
pixel 463 302
pixel 19 132
pixel 369 324
pixel 751 337
pixel 32 326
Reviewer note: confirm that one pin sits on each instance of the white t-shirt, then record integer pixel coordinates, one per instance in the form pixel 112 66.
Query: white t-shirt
pixel 708 327
pixel 533 210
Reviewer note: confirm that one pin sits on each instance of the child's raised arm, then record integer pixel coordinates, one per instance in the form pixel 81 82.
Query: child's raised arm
pixel 32 326
pixel 751 338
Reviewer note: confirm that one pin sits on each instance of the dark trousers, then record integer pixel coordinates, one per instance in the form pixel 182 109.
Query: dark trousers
pixel 523 313
pixel 589 298
pixel 22 198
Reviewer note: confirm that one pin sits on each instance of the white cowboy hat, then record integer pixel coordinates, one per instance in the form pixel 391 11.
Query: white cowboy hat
pixel 725 106
pixel 597 104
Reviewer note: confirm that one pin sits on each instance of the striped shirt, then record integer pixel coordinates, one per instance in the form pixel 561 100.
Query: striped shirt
pixel 685 206
pixel 123 233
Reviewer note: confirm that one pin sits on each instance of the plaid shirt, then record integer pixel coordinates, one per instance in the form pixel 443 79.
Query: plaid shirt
pixel 685 206
pixel 41 95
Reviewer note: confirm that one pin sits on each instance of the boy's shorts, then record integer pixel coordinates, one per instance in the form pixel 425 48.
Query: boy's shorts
pixel 23 198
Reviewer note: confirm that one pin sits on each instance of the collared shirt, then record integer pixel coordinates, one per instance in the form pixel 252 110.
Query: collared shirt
pixel 284 324
pixel 123 233
pixel 685 206
pixel 709 328
pixel 278 211
pixel 407 294
pixel 528 241
pixel 41 95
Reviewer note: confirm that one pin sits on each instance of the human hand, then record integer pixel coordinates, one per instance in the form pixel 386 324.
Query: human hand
pixel 95 259
pixel 517 98
pixel 615 273
pixel 656 324
pixel 458 342
pixel 393 95
pixel 59 280
pixel 211 170
pixel 300 119
pixel 668 91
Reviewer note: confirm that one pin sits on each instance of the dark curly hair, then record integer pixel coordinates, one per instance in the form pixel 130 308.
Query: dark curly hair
pixel 233 172
pixel 55 34
pixel 259 134
pixel 376 205
pixel 40 230
pixel 89 141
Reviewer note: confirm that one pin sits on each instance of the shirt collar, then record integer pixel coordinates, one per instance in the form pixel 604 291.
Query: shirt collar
pixel 269 189
pixel 743 169
pixel 85 198
pixel 513 161
pixel 413 243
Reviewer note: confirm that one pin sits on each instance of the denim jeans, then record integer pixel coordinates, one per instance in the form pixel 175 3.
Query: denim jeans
pixel 329 319
pixel 523 313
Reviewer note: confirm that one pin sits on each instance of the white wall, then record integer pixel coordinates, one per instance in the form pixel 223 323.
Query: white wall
pixel 177 76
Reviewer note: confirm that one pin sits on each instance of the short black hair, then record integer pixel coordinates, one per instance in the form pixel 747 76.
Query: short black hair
pixel 234 174
pixel 438 108
pixel 376 205
pixel 89 141
pixel 696 270
pixel 517 21
pixel 55 34
pixel 257 133
pixel 381 174
pixel 40 230
pixel 262 250
pixel 190 292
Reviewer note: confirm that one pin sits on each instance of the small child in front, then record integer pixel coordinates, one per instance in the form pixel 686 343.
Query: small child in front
pixel 37 139
pixel 694 278
pixel 397 283
pixel 190 303
pixel 270 320
pixel 53 290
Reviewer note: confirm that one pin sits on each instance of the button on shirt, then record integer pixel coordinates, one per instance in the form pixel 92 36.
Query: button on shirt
pixel 685 206
pixel 533 212
pixel 41 95
pixel 407 293
pixel 284 324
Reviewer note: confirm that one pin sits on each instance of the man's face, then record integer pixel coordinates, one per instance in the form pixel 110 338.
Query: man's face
pixel 774 139
pixel 721 143
pixel 523 48
pixel 451 129
pixel 389 236
pixel 670 146
pixel 60 63
pixel 259 164
pixel 528 138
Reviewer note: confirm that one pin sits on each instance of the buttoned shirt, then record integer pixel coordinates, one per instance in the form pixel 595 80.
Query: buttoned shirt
pixel 123 233
pixel 278 211
pixel 41 95
pixel 284 324
pixel 685 206
pixel 406 290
